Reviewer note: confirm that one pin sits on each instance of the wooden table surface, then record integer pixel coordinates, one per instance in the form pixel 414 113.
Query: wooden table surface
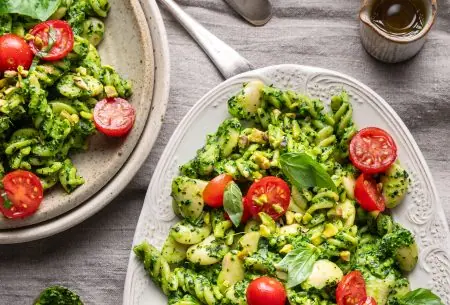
pixel 92 257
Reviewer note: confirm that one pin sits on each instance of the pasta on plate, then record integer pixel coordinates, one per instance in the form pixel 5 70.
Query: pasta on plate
pixel 289 189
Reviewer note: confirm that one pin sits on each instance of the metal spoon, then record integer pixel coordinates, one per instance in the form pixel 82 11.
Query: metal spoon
pixel 257 12
pixel 227 60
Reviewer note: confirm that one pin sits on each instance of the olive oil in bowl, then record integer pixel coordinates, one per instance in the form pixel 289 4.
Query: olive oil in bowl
pixel 399 17
pixel 395 30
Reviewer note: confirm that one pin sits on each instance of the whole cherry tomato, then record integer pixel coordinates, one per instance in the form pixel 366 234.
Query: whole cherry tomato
pixel 266 290
pixel 14 52
pixel 213 192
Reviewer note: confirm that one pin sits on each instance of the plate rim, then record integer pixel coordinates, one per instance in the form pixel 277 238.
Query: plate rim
pixel 148 12
pixel 181 130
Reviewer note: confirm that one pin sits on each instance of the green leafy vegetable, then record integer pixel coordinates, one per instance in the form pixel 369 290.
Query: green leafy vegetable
pixel 232 203
pixel 6 202
pixel 299 263
pixel 51 41
pixel 420 296
pixel 303 172
pixel 58 295
pixel 37 9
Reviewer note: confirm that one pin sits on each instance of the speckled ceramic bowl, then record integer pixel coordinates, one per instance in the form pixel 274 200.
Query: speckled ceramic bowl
pixel 136 48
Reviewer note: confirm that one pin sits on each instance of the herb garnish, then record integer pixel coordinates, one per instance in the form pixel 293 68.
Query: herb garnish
pixel 304 172
pixel 36 9
pixel 232 203
pixel 420 296
pixel 299 263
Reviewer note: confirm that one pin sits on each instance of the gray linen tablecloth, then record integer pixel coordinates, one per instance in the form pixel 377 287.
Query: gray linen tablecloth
pixel 92 257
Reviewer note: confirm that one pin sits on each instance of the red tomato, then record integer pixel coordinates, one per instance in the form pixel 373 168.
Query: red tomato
pixel 351 290
pixel 368 301
pixel 114 116
pixel 24 194
pixel 53 40
pixel 372 150
pixel 14 52
pixel 270 195
pixel 266 290
pixel 213 192
pixel 368 195
pixel 247 214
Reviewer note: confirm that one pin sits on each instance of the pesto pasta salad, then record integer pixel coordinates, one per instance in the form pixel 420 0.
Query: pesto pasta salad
pixel 286 204
pixel 54 93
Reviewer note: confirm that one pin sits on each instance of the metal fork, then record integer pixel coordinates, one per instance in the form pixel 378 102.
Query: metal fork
pixel 226 59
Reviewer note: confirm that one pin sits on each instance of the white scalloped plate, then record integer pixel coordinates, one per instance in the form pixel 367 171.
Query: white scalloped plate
pixel 421 211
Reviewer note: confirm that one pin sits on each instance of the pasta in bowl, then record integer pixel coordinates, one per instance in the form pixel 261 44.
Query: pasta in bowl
pixel 61 120
pixel 317 224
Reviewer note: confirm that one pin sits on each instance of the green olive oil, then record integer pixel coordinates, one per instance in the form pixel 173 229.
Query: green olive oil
pixel 399 17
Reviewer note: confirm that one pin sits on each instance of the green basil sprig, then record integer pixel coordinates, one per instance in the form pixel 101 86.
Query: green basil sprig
pixel 299 263
pixel 36 9
pixel 232 203
pixel 420 296
pixel 6 202
pixel 304 172
pixel 51 41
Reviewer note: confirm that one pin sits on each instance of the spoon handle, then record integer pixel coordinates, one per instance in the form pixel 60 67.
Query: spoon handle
pixel 226 59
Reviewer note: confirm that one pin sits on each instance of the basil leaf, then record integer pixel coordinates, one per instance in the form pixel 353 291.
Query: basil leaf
pixel 232 203
pixel 299 263
pixel 6 202
pixel 420 296
pixel 303 172
pixel 51 41
pixel 36 9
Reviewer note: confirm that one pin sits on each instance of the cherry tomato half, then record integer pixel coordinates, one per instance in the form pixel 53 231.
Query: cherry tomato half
pixel 24 193
pixel 368 195
pixel 372 150
pixel 270 195
pixel 114 116
pixel 14 52
pixel 266 290
pixel 53 40
pixel 351 290
pixel 368 301
pixel 213 192
pixel 247 214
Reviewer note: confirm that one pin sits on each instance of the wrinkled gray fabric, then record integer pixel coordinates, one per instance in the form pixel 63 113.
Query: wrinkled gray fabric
pixel 92 257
